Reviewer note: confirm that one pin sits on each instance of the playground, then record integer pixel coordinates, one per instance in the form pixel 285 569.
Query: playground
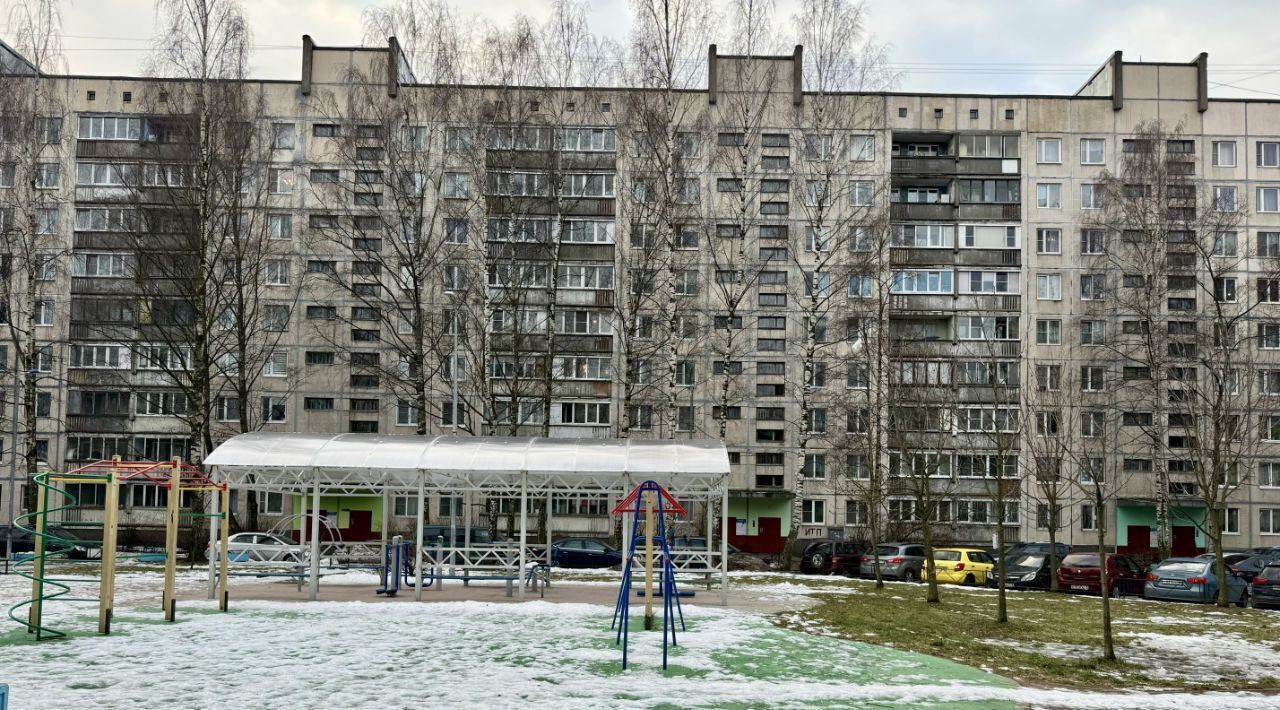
pixel 500 622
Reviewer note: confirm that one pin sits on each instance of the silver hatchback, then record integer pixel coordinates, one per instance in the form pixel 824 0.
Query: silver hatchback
pixel 898 560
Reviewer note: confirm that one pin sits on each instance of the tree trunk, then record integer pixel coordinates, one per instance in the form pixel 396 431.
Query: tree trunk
pixel 931 575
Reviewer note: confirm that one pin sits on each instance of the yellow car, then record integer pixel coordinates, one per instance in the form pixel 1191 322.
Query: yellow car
pixel 962 565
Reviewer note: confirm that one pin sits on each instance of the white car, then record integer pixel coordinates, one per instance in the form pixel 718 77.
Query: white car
pixel 260 547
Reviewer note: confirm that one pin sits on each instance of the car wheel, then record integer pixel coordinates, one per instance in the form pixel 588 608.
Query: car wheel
pixel 1118 591
pixel 969 581
pixel 818 562
pixel 1246 599
pixel 910 576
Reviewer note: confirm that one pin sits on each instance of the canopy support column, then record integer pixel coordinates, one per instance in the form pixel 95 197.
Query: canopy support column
pixel 417 538
pixel 386 523
pixel 524 509
pixel 550 520
pixel 315 539
pixel 724 542
pixel 211 507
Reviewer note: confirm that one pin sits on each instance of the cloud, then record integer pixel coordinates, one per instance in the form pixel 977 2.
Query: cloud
pixel 996 46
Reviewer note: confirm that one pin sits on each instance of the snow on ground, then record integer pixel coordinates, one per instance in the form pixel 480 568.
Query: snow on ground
pixel 1206 657
pixel 357 654
pixel 1068 651
pixel 367 654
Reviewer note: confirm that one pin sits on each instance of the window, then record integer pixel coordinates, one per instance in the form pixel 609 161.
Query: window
pixel 282 135
pixel 922 282
pixel 102 265
pixel 1224 198
pixel 1268 199
pixel 1269 521
pixel 276 318
pixel 47 175
pixel 277 272
pixel 1048 332
pixel 1093 287
pixel 1091 196
pixel 814 512
pixel 1048 241
pixel 1268 154
pixel 987 327
pixel 818 146
pixel 1049 287
pixel 1049 195
pixel 861 193
pixel 862 148
pixel 1092 378
pixel 1224 289
pixel 110 128
pixel 1048 150
pixel 1091 151
pixel 457 186
pixel 1093 241
pixel 276 364
pixel 775 163
pixel 1048 378
pixel 1224 154
pixel 989 191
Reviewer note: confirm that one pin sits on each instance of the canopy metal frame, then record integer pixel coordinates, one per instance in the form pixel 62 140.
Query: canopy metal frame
pixel 312 465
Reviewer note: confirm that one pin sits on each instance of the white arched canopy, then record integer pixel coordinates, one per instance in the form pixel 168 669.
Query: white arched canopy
pixel 359 463
pixel 312 465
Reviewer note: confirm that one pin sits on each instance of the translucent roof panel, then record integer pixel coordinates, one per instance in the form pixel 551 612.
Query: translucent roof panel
pixel 468 454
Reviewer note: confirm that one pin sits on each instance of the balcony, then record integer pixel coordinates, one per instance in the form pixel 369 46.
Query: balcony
pixel 989 257
pixel 977 211
pixel 940 165
pixel 921 348
pixel 921 302
pixel 989 166
pixel 914 211
pixel 911 256
pixel 988 302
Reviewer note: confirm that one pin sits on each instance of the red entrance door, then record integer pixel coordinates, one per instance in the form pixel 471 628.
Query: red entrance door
pixel 1139 540
pixel 359 526
pixel 769 538
pixel 1184 541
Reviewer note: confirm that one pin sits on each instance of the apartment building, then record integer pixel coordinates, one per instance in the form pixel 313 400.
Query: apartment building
pixel 559 306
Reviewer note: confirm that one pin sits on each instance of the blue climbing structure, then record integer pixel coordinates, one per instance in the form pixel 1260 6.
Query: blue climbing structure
pixel 635 503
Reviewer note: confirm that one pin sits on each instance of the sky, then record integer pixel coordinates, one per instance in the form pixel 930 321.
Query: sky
pixel 993 46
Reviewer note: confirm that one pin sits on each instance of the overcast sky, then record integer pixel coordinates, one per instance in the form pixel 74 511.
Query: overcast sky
pixel 996 46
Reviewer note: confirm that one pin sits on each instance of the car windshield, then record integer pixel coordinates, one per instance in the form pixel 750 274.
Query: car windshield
pixel 1032 561
pixel 887 550
pixel 1271 573
pixel 1185 566
pixel 1080 561
pixel 63 533
pixel 946 555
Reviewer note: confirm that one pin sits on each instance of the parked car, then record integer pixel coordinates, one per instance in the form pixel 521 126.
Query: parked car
pixel 1033 548
pixel 582 553
pixel 257 547
pixel 898 560
pixel 1264 592
pixel 431 535
pixel 1186 579
pixel 1251 566
pixel 1026 571
pixel 832 557
pixel 1081 573
pixel 697 543
pixel 1230 558
pixel 74 548
pixel 962 565
pixel 1272 550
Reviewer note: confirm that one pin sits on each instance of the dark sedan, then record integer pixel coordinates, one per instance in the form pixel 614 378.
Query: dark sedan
pixel 60 542
pixel 1265 590
pixel 1028 571
pixel 583 553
